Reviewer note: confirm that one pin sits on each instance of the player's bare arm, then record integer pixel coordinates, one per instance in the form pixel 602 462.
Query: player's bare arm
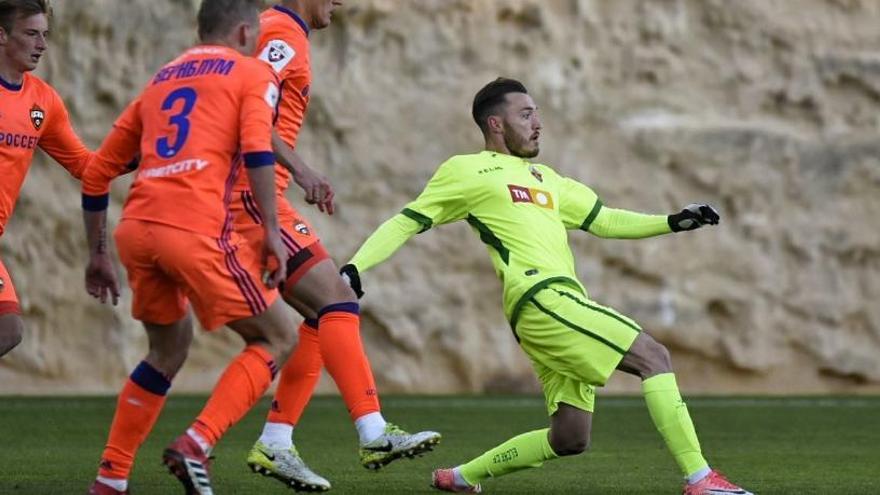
pixel 101 280
pixel 317 187
pixel 275 255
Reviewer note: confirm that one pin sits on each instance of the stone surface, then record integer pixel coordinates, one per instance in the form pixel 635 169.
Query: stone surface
pixel 767 109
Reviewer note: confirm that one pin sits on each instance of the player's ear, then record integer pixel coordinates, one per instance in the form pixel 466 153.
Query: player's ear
pixel 3 36
pixel 241 33
pixel 496 124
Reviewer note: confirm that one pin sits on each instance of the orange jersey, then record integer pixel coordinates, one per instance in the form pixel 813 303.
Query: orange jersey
pixel 32 114
pixel 284 44
pixel 198 119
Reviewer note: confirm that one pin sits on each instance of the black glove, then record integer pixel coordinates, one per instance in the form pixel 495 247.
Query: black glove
pixel 693 217
pixel 349 273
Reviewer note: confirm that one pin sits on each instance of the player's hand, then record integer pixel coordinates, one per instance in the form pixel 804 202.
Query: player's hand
pixel 318 190
pixel 101 281
pixel 350 274
pixel 274 260
pixel 692 217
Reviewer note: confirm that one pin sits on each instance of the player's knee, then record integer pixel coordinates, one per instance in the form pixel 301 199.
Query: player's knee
pixel 284 345
pixel 659 360
pixel 570 445
pixel 280 342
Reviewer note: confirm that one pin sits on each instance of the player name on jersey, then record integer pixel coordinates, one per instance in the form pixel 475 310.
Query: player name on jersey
pixel 194 68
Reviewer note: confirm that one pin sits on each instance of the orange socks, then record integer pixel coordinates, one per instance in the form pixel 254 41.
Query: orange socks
pixel 343 352
pixel 246 379
pixel 298 377
pixel 137 410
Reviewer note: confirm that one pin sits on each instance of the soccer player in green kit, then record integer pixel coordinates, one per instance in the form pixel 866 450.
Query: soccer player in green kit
pixel 522 212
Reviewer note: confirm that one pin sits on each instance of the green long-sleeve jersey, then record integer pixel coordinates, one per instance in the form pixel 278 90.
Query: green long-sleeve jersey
pixel 520 210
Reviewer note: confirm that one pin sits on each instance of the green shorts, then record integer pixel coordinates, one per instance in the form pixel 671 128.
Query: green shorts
pixel 574 344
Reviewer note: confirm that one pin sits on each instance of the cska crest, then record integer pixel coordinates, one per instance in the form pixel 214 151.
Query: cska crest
pixel 536 173
pixel 2 284
pixel 275 54
pixel 37 116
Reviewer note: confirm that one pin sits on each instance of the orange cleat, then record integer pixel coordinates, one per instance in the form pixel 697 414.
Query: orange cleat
pixel 444 479
pixel 189 463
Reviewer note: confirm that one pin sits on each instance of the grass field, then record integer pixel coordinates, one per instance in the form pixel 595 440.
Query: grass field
pixel 786 445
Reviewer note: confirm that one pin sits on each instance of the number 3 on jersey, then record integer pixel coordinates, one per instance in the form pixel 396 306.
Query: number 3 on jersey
pixel 180 120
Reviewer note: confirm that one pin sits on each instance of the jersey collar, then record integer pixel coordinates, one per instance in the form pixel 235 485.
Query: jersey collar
pixel 10 86
pixel 507 158
pixel 299 20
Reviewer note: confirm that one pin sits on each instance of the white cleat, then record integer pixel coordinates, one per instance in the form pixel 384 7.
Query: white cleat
pixel 395 443
pixel 286 466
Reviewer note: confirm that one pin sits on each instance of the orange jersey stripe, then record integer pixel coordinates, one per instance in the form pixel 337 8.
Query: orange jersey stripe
pixel 31 115
pixel 284 44
pixel 199 119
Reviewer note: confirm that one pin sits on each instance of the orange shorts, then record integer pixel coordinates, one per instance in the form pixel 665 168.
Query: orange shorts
pixel 168 266
pixel 8 298
pixel 303 245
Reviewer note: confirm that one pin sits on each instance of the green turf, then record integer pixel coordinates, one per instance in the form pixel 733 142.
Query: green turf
pixel 810 445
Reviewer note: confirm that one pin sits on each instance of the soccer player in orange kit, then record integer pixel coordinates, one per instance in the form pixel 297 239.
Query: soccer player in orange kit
pixel 200 118
pixel 31 115
pixel 330 334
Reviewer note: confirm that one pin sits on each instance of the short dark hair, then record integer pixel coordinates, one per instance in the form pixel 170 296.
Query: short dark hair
pixel 217 17
pixel 12 10
pixel 490 99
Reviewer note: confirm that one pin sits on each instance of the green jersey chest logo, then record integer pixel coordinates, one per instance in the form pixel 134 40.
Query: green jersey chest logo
pixel 520 194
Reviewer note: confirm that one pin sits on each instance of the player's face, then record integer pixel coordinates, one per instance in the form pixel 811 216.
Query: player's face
pixel 26 43
pixel 321 12
pixel 522 127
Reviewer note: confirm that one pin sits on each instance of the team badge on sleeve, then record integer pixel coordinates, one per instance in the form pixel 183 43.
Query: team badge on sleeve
pixel 271 96
pixel 37 116
pixel 278 53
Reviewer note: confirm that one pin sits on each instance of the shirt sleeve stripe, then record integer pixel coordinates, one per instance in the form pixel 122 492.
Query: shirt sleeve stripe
pixel 592 216
pixel 95 203
pixel 259 159
pixel 424 221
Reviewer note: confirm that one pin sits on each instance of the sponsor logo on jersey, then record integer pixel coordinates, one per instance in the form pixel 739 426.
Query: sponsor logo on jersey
pixel 488 170
pixel 37 116
pixel 178 168
pixel 18 140
pixel 278 53
pixel 520 194
pixel 536 173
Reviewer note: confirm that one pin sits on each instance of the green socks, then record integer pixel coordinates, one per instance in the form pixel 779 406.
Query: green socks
pixel 529 450
pixel 520 452
pixel 670 416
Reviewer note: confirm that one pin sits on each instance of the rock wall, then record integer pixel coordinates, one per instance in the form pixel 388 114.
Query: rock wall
pixel 767 109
